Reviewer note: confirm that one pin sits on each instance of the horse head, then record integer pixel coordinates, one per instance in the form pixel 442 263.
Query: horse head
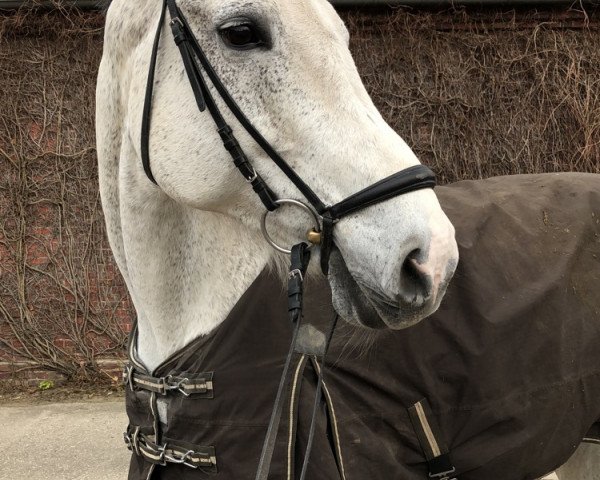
pixel 289 68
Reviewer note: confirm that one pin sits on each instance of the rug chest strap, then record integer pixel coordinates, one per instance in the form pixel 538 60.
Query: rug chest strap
pixel 145 446
pixel 431 441
pixel 198 385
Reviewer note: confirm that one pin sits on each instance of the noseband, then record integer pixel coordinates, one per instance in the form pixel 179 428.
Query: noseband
pixel 413 178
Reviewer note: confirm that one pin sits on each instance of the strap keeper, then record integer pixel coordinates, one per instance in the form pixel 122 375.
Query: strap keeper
pixel 178 32
pixel 229 141
pixel 266 195
pixel 299 263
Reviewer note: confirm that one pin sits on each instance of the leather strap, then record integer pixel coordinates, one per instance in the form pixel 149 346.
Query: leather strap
pixel 318 397
pixel 410 179
pixel 300 260
pixel 145 446
pixel 147 112
pixel 314 200
pixel 326 241
pixel 199 385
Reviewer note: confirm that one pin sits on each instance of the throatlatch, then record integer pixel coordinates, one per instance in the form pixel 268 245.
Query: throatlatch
pixel 413 178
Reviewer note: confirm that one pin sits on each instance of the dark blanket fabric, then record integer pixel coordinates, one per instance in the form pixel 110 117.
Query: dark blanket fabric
pixel 510 364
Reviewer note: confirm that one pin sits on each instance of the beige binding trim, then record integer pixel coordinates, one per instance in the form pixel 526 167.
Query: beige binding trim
pixel 132 352
pixel 147 383
pixel 435 449
pixel 198 386
pixel 335 425
pixel 591 440
pixel 291 421
pixel 151 471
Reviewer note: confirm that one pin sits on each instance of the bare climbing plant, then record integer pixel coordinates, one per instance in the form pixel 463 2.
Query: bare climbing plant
pixel 62 304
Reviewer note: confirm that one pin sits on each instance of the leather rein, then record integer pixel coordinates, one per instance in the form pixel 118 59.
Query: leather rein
pixel 410 179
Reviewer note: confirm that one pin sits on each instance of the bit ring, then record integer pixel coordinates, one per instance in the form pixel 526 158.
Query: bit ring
pixel 297 203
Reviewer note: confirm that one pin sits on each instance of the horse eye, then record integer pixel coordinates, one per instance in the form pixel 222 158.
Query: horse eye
pixel 243 36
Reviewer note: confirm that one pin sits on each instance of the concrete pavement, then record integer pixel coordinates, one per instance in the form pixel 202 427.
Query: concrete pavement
pixel 84 441
pixel 66 441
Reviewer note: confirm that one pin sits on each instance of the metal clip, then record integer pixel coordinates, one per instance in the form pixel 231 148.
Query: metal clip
pixel 162 454
pixel 444 475
pixel 182 460
pixel 177 385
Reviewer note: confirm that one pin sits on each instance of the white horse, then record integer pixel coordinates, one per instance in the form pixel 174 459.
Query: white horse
pixel 189 247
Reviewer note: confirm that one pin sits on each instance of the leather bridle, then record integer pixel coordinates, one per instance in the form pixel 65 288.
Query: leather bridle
pixel 413 178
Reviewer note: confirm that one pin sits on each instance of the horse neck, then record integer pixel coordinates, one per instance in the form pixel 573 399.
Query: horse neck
pixel 185 270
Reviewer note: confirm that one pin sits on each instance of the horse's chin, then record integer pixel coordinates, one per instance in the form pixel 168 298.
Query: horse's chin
pixel 360 305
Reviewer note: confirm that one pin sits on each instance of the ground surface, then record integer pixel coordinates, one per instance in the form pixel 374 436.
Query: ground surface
pixel 12 394
pixel 81 438
pixel 64 441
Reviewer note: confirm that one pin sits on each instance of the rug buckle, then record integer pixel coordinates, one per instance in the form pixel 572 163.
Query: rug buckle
pixel 184 459
pixel 173 384
pixel 447 475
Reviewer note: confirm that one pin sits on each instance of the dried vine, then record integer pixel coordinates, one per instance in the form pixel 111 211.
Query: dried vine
pixel 474 93
pixel 62 306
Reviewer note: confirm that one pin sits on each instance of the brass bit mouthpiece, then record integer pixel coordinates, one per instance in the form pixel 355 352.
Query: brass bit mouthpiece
pixel 314 237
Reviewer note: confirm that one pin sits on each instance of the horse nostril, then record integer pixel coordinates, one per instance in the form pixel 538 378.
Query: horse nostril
pixel 415 283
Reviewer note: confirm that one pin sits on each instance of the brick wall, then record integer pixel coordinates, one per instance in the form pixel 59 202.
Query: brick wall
pixel 64 310
pixel 474 93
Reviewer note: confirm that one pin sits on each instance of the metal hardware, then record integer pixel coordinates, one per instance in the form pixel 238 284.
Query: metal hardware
pixel 444 475
pixel 174 457
pixel 253 177
pixel 314 237
pixel 161 451
pixel 288 201
pixel 175 21
pixel 178 385
pixel 296 273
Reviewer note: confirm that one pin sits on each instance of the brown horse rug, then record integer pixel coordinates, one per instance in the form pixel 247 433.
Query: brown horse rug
pixel 502 383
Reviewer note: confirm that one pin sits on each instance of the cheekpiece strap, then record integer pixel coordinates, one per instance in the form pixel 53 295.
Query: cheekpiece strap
pixel 326 242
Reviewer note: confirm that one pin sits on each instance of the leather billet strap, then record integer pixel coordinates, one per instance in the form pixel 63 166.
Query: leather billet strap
pixel 144 445
pixel 193 57
pixel 431 440
pixel 197 385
